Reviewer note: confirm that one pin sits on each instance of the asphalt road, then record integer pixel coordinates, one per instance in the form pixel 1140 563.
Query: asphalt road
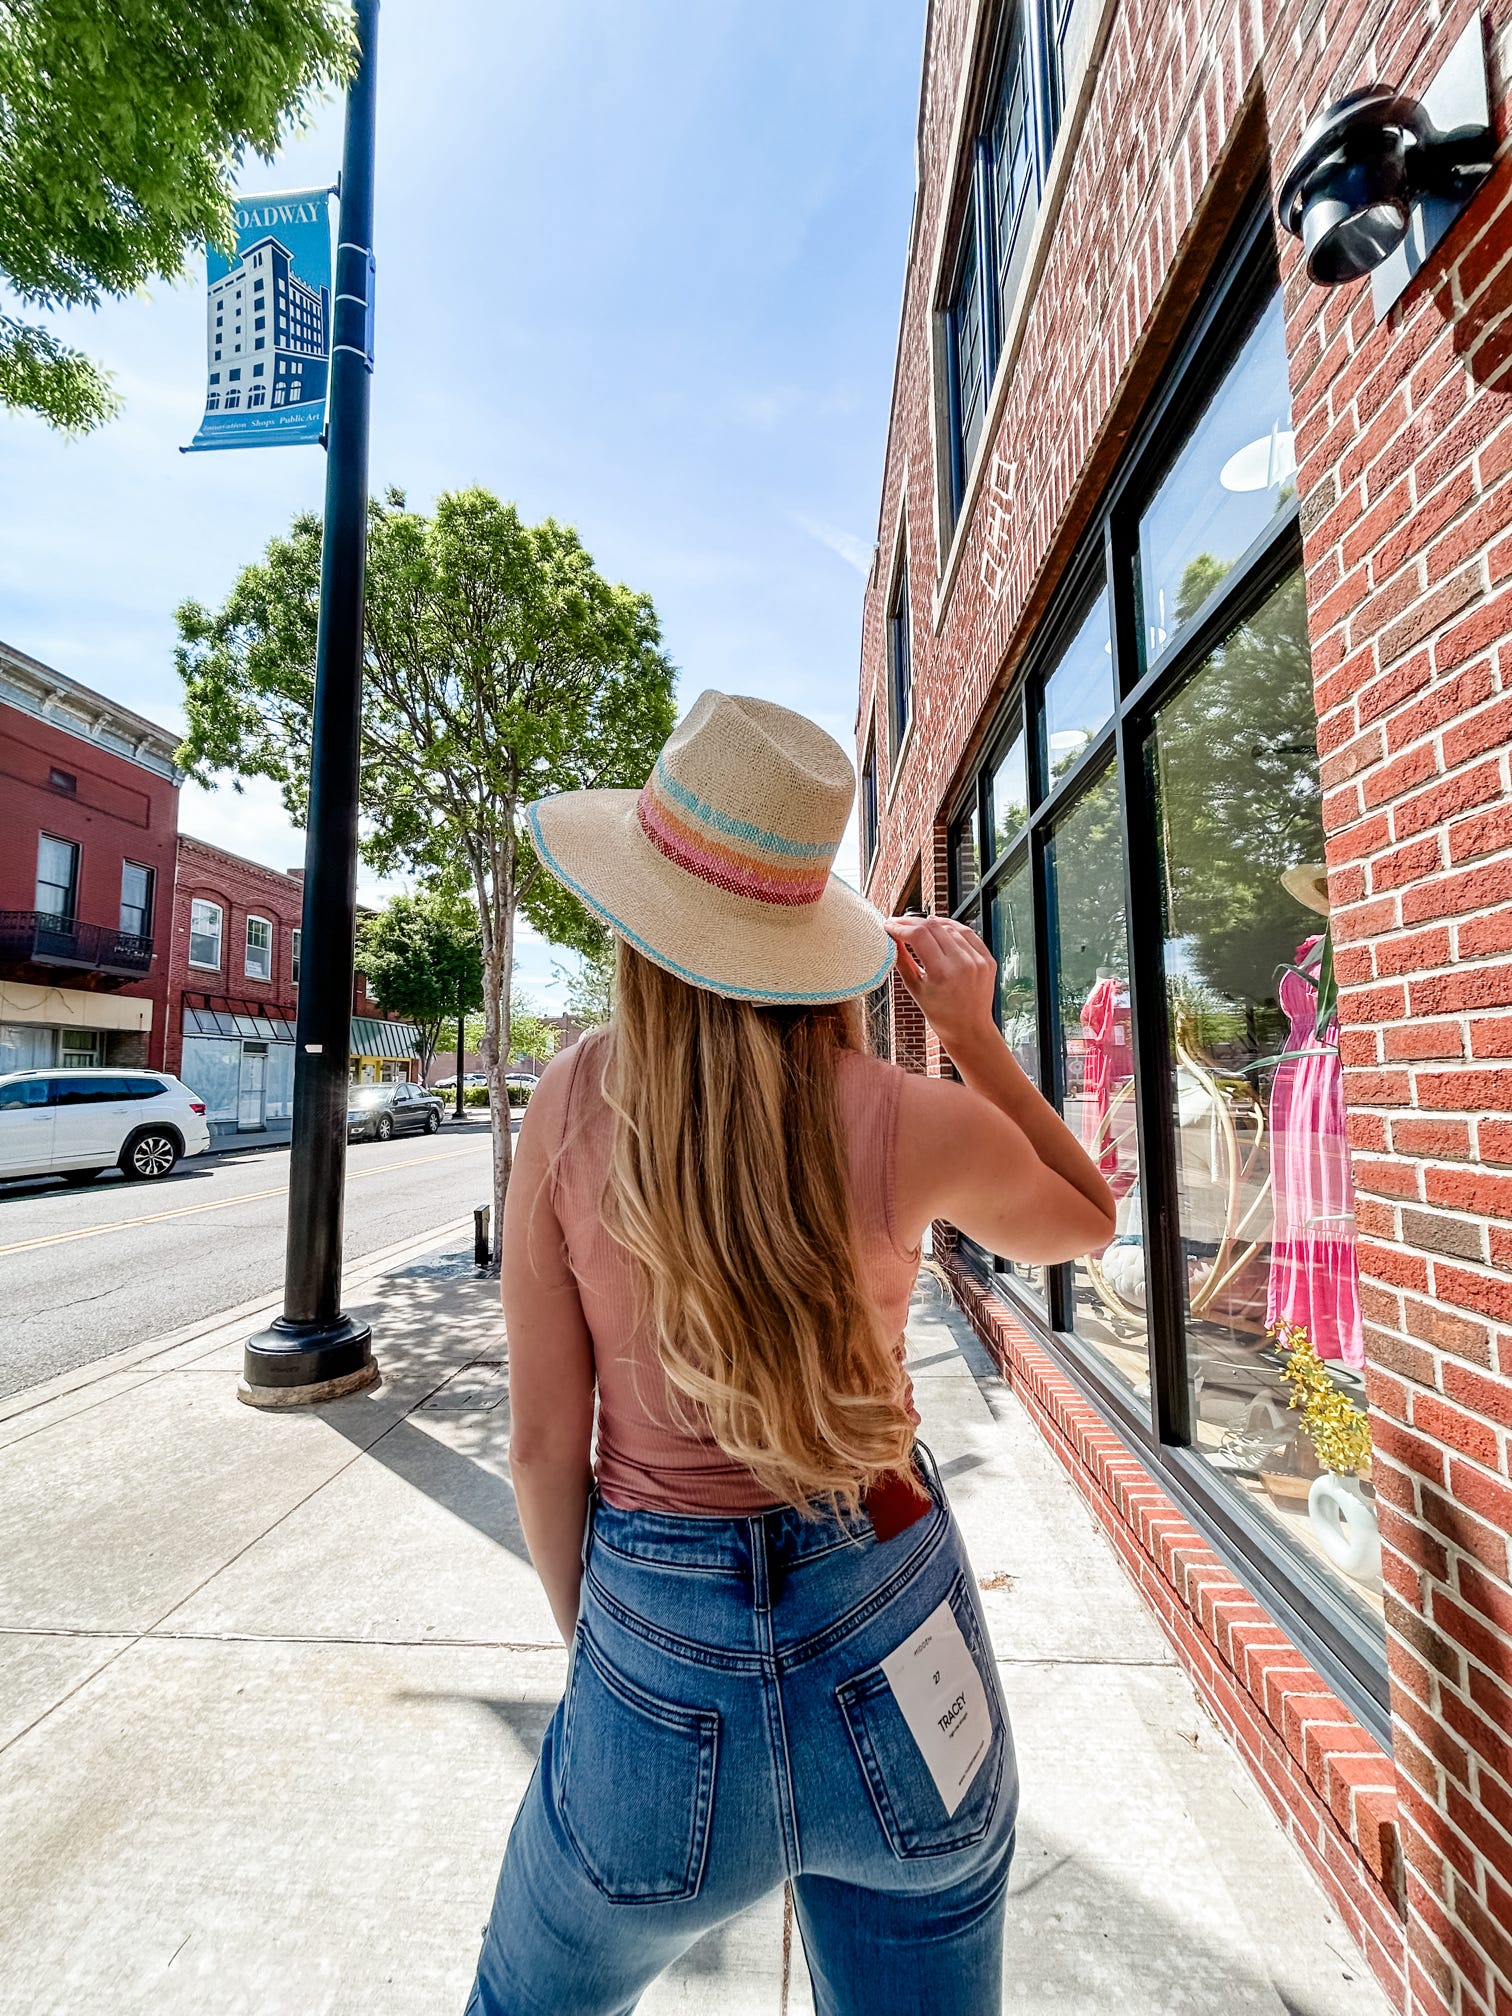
pixel 88 1272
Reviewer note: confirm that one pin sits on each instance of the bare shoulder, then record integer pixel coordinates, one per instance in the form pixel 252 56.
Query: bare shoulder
pixel 949 1139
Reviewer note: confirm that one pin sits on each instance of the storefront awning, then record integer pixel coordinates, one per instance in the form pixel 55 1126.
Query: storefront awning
pixel 372 1038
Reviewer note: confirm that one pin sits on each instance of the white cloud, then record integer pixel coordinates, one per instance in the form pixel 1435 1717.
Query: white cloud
pixel 854 552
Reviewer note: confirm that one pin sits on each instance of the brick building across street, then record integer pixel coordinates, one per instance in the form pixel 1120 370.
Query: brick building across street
pixel 1187 681
pixel 88 824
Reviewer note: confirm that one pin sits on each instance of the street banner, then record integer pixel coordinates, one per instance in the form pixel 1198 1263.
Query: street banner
pixel 268 325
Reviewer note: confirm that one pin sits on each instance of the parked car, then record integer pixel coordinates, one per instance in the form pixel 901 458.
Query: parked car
pixel 449 1084
pixel 378 1112
pixel 75 1124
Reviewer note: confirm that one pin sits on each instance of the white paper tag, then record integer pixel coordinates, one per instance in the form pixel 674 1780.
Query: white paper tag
pixel 940 1693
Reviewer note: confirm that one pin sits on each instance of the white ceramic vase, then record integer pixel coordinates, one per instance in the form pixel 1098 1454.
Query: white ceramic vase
pixel 1345 1523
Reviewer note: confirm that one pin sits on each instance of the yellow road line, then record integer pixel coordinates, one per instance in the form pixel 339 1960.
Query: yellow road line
pixel 223 1203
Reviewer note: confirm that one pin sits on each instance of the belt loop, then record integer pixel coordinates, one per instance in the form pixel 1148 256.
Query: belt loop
pixel 761 1591
pixel 593 1499
pixel 924 1456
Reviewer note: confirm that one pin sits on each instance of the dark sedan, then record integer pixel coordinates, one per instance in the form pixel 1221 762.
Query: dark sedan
pixel 379 1112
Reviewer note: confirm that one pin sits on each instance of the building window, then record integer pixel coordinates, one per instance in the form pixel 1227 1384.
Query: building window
pixel 215 377
pixel 1140 848
pixel 205 920
pixel 870 806
pixel 63 780
pixel 294 938
pixel 967 344
pixel 1014 178
pixel 136 899
pixel 899 661
pixel 57 878
pixel 258 964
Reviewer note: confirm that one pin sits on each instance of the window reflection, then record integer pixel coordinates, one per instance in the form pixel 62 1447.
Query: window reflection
pixel 1018 1001
pixel 1091 954
pixel 1264 1193
pixel 1236 469
pixel 1008 798
pixel 1079 692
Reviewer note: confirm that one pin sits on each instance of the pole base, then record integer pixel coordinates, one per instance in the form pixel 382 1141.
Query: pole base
pixel 303 1364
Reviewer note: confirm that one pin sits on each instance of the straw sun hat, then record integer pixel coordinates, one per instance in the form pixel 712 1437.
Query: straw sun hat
pixel 718 868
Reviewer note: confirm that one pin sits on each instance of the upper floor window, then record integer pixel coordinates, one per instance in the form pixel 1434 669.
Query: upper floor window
pixel 899 660
pixel 294 937
pixel 205 921
pixel 57 877
pixel 869 823
pixel 136 899
pixel 259 959
pixel 1006 165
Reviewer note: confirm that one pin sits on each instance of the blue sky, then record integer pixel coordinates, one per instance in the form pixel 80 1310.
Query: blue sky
pixel 639 266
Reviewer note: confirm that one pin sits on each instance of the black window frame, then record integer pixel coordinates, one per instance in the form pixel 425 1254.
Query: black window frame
pixel 146 906
pixel 899 660
pixel 1330 1630
pixel 70 914
pixel 871 805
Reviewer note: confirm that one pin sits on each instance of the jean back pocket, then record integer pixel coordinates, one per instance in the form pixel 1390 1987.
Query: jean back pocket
pixel 636 1788
pixel 907 1800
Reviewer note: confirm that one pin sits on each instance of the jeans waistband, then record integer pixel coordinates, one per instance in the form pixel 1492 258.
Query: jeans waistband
pixel 721 1541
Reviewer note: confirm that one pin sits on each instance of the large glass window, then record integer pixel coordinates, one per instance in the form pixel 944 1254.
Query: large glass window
pixel 1079 689
pixel 1015 180
pixel 1235 470
pixel 869 808
pixel 1096 1067
pixel 259 960
pixel 1265 1199
pixel 968 348
pixel 57 878
pixel 1007 798
pixel 1178 817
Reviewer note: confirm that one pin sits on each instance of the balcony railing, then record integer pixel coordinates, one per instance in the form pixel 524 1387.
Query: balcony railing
pixel 43 940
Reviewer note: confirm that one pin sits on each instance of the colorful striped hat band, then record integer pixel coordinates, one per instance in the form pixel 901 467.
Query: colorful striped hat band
pixel 729 852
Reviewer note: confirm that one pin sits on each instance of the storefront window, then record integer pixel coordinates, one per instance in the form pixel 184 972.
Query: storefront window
pixel 1079 691
pixel 1008 798
pixel 1012 915
pixel 1264 1194
pixel 1235 471
pixel 1096 1066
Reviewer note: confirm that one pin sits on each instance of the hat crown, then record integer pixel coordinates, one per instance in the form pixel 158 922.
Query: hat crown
pixel 751 797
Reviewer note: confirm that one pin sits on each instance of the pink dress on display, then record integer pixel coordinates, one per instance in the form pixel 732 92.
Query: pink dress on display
pixel 1313 1278
pixel 1106 1064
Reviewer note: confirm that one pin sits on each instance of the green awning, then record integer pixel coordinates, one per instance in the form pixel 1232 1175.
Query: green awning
pixel 372 1038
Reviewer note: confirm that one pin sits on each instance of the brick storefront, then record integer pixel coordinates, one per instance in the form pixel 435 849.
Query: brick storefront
pixel 1096 289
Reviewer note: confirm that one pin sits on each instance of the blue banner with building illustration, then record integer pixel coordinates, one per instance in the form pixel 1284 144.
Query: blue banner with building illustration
pixel 268 325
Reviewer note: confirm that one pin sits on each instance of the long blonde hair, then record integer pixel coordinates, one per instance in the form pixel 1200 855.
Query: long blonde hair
pixel 727 1186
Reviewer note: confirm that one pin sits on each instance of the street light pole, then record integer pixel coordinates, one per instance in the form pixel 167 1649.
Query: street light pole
pixel 461 1032
pixel 314 1351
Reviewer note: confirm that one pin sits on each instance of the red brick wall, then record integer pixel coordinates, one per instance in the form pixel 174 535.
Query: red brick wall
pixel 1405 446
pixel 242 889
pixel 120 812
pixel 1404 434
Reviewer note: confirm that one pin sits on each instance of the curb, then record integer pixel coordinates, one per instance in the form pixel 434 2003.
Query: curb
pixel 371 1267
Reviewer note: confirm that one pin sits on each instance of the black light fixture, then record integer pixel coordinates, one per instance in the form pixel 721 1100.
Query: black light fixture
pixel 1362 165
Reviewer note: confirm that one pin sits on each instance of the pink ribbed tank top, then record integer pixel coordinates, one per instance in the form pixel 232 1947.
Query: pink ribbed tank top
pixel 652 1455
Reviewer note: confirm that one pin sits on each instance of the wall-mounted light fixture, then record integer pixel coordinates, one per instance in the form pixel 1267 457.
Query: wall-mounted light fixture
pixel 1379 177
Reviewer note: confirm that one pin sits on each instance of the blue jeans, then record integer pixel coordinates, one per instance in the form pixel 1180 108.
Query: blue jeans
pixel 726 1726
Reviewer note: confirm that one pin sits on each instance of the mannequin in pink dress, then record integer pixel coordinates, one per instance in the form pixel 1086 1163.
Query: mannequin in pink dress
pixel 1313 1279
pixel 1106 1064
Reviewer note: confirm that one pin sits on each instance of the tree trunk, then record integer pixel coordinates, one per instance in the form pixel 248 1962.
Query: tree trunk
pixel 496 915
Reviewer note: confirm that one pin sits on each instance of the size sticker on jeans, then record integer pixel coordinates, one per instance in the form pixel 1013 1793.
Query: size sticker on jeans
pixel 939 1690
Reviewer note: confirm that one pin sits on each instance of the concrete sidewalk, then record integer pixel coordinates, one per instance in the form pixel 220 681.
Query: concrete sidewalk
pixel 272 1685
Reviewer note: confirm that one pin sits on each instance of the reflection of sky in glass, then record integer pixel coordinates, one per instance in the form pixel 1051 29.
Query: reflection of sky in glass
pixel 1235 470
pixel 1079 692
pixel 1008 799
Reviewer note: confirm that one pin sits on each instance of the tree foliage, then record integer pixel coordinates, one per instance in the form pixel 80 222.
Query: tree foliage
pixel 122 123
pixel 423 957
pixel 590 989
pixel 500 667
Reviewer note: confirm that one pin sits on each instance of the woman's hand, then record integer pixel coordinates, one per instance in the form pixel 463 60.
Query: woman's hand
pixel 950 973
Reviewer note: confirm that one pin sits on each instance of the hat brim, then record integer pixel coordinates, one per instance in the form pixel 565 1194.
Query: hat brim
pixel 1309 885
pixel 830 950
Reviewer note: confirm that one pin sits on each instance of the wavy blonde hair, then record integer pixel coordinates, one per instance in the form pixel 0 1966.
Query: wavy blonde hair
pixel 727 1186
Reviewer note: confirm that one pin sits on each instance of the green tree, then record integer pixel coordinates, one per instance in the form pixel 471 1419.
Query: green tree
pixel 500 667
pixel 530 1033
pixel 423 957
pixel 590 988
pixel 122 123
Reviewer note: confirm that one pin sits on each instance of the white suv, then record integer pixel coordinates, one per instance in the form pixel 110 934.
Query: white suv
pixel 74 1124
